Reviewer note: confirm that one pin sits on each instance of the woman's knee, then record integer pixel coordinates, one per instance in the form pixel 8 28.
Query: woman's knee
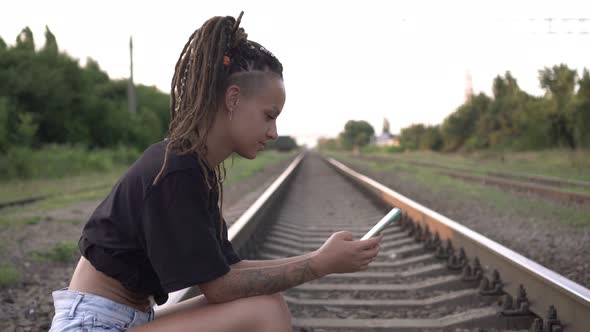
pixel 272 311
pixel 278 297
pixel 274 303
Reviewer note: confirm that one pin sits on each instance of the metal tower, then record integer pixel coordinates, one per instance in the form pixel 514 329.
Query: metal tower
pixel 468 86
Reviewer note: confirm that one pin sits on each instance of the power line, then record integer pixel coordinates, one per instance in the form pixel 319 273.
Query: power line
pixel 546 25
pixel 132 102
pixel 569 23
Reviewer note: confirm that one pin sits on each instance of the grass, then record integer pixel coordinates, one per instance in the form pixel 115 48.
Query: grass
pixel 65 191
pixel 9 220
pixel 58 161
pixel 67 187
pixel 69 199
pixel 243 168
pixel 9 276
pixel 60 252
pixel 71 221
pixel 501 200
pixel 477 170
pixel 68 190
pixel 566 164
pixel 13 216
pixel 20 189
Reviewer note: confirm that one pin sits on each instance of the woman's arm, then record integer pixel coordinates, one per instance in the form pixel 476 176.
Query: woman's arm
pixel 247 264
pixel 246 282
pixel 338 255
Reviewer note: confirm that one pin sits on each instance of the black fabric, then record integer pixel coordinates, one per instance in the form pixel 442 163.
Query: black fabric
pixel 162 238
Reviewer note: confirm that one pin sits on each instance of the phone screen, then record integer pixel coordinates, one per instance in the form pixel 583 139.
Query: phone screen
pixel 384 222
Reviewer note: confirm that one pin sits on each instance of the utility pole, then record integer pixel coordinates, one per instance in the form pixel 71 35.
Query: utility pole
pixel 131 89
pixel 468 86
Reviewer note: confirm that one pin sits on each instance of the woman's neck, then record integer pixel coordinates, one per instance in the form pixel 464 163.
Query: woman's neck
pixel 218 145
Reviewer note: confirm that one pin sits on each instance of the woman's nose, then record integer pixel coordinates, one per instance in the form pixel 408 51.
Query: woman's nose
pixel 272 132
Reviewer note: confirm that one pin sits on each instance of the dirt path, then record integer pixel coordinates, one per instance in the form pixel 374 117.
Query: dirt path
pixel 28 306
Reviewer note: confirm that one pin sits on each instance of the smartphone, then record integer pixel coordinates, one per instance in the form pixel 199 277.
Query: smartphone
pixel 384 222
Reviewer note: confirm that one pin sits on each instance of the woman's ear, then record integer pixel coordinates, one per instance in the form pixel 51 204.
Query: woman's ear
pixel 232 97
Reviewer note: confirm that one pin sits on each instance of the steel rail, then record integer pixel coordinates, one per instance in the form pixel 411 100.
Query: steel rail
pixel 544 287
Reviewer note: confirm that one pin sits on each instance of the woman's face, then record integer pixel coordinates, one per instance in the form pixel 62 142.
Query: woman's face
pixel 254 119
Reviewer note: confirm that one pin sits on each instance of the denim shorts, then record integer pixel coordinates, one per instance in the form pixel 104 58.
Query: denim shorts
pixel 83 312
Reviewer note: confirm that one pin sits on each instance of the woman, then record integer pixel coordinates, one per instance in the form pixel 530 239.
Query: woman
pixel 160 229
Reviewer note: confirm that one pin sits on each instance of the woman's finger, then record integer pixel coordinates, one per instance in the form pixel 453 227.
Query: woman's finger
pixel 369 243
pixel 370 253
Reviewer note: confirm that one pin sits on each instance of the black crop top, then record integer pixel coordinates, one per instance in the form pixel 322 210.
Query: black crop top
pixel 162 238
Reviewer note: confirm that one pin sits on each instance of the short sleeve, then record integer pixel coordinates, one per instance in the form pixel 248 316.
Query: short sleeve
pixel 180 234
pixel 229 253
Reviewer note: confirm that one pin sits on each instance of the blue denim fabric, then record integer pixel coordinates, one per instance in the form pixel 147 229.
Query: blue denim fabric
pixel 82 312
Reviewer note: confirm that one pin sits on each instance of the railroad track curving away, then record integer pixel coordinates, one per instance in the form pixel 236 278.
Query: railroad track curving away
pixel 34 199
pixel 545 186
pixel 432 273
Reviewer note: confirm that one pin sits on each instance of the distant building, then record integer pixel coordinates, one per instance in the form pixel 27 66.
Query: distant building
pixel 386 138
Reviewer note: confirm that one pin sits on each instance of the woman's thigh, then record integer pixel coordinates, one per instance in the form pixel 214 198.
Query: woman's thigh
pixel 195 302
pixel 258 313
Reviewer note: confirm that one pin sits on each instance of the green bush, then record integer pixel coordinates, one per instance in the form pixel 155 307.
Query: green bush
pixel 395 149
pixel 283 143
pixel 55 161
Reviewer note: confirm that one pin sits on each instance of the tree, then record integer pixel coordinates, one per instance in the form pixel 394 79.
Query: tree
pixel 356 134
pixel 328 143
pixel 582 111
pixel 24 133
pixel 283 143
pixel 409 137
pixel 4 139
pixel 50 42
pixel 386 127
pixel 513 119
pixel 499 126
pixel 559 83
pixel 461 125
pixel 25 40
pixel 420 137
pixel 431 139
pixel 47 97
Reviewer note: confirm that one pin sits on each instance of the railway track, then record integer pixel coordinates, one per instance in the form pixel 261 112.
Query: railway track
pixel 543 190
pixel 531 178
pixel 432 274
pixel 34 199
pixel 550 187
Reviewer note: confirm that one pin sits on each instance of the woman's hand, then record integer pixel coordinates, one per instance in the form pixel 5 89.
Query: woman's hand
pixel 340 254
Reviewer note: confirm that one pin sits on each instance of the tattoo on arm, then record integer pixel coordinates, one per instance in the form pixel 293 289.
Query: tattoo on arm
pixel 268 280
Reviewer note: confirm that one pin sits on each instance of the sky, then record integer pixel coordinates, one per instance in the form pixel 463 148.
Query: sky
pixel 406 61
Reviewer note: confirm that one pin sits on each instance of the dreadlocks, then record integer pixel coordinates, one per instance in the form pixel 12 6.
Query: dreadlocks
pixel 216 55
